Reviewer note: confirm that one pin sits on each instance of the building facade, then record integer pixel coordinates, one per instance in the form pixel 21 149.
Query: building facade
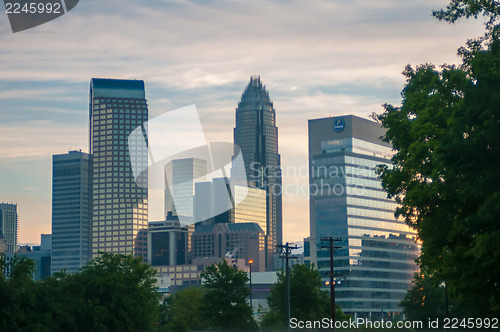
pixel 238 241
pixel 256 135
pixel 169 243
pixel 9 226
pixel 180 177
pixel 71 213
pixel 118 144
pixel 376 262
pixel 223 201
pixel 41 255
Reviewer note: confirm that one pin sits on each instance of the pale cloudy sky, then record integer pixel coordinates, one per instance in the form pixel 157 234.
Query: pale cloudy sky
pixel 316 57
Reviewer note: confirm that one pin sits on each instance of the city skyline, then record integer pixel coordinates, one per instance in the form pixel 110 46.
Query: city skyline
pixel 347 62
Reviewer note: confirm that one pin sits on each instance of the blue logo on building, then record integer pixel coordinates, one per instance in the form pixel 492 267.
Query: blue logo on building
pixel 338 125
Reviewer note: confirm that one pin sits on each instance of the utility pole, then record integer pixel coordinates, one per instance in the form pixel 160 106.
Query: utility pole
pixel 331 247
pixel 286 253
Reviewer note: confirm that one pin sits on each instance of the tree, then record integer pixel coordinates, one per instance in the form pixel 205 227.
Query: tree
pixel 111 293
pixel 224 305
pixel 445 176
pixel 120 294
pixel 17 295
pixel 307 300
pixel 424 300
pixel 471 8
pixel 183 310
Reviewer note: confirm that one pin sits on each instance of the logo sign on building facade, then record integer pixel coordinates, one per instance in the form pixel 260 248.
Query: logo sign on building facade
pixel 338 125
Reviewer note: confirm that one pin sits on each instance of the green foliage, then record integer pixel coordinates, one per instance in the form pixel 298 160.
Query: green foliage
pixel 111 293
pixel 446 176
pixel 120 293
pixel 183 310
pixel 307 300
pixel 17 296
pixel 425 300
pixel 224 305
pixel 490 9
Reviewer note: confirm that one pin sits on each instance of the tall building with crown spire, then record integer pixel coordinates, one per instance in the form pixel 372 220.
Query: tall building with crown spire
pixel 256 135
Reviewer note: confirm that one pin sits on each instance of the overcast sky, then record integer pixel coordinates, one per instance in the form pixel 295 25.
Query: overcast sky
pixel 317 58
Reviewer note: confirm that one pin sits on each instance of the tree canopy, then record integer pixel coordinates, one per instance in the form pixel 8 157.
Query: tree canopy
pixel 446 174
pixel 224 305
pixel 111 293
pixel 183 310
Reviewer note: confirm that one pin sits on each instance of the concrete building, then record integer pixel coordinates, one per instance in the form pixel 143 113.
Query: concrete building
pixel 376 263
pixel 171 279
pixel 40 254
pixel 118 113
pixel 71 212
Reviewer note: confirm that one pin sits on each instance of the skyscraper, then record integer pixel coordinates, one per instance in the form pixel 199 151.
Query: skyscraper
pixel 376 263
pixel 256 135
pixel 70 211
pixel 119 199
pixel 180 176
pixel 223 201
pixel 8 225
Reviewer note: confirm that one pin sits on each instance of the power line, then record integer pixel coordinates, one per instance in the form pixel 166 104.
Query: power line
pixel 286 253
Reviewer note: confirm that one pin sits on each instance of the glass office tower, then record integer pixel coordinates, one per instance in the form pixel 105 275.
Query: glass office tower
pixel 70 211
pixel 256 135
pixel 180 178
pixel 223 201
pixel 8 226
pixel 119 200
pixel 376 263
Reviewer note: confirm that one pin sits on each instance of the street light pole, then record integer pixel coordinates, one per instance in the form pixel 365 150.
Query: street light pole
pixel 331 247
pixel 250 264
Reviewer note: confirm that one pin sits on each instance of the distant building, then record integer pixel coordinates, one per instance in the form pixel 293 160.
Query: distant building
pixel 261 289
pixel 3 245
pixel 256 134
pixel 171 279
pixel 376 261
pixel 71 211
pixel 238 241
pixel 41 257
pixel 9 225
pixel 169 243
pixel 46 242
pixel 295 259
pixel 118 114
pixel 180 176
pixel 307 250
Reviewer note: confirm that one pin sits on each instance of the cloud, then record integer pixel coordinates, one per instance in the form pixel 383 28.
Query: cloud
pixel 317 58
pixel 41 139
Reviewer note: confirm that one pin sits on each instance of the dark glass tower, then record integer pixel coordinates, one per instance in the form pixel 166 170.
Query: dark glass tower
pixel 118 113
pixel 256 135
pixel 70 211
